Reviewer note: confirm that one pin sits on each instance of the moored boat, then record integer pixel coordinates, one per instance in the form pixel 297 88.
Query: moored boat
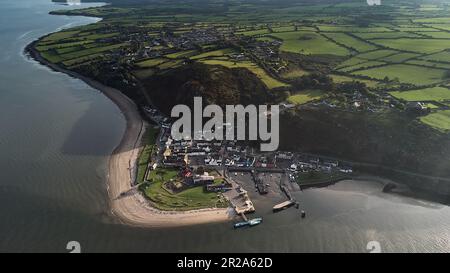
pixel 254 222
pixel 251 223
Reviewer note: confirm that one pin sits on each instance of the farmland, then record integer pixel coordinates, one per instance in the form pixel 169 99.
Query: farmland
pixel 440 57
pixel 343 79
pixel 350 41
pixel 427 94
pixel 413 74
pixel 399 51
pixel 363 65
pixel 305 96
pixel 151 62
pixel 415 45
pixel 61 47
pixel 309 43
pixel 439 120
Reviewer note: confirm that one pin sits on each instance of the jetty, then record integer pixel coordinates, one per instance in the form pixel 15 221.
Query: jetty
pixel 284 205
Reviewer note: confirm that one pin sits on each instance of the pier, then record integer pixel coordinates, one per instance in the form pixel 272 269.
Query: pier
pixel 291 200
pixel 238 197
pixel 283 206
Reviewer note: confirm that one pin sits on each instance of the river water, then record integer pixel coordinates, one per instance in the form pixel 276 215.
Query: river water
pixel 55 137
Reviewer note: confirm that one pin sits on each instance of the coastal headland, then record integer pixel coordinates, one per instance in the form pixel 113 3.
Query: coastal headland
pixel 134 209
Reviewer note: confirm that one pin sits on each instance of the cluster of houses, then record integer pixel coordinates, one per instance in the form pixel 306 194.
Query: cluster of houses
pixel 265 52
pixel 178 153
pixel 151 46
pixel 153 42
pixel 356 101
pixel 192 39
pixel 203 153
pixel 306 163
pixel 419 108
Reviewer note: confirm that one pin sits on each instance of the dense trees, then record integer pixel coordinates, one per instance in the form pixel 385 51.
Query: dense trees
pixel 215 84
pixel 315 81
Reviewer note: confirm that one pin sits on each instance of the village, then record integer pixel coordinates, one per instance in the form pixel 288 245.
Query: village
pixel 231 169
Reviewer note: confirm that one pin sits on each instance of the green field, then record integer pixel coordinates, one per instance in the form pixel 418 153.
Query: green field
pixel 181 54
pixel 254 32
pixel 148 142
pixel 66 50
pixel 170 64
pixel 283 29
pixel 341 79
pixel 99 36
pixel 309 43
pixel 439 120
pixel 151 62
pixel 305 96
pixel 432 106
pixel 190 199
pixel 215 53
pixel 350 28
pixel 435 20
pixel 412 28
pixel 443 27
pixel 62 45
pixel 82 60
pixel 438 35
pixel 415 45
pixel 351 42
pixel 56 58
pixel 59 36
pixel 294 74
pixel 260 73
pixel 386 35
pixel 430 64
pixel 443 56
pixel 413 74
pixel 427 94
pixel 399 58
pixel 363 65
pixel 351 62
pixel 377 54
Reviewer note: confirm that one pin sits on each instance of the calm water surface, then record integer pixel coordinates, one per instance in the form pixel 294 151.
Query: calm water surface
pixel 55 137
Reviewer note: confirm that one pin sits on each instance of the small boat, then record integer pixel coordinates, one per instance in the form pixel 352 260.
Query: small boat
pixel 241 224
pixel 250 223
pixel 255 222
pixel 303 213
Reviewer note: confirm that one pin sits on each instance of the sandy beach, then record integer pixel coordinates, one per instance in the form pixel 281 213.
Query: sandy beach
pixel 132 208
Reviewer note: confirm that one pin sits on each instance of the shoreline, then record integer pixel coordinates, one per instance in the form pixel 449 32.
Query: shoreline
pixel 134 209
